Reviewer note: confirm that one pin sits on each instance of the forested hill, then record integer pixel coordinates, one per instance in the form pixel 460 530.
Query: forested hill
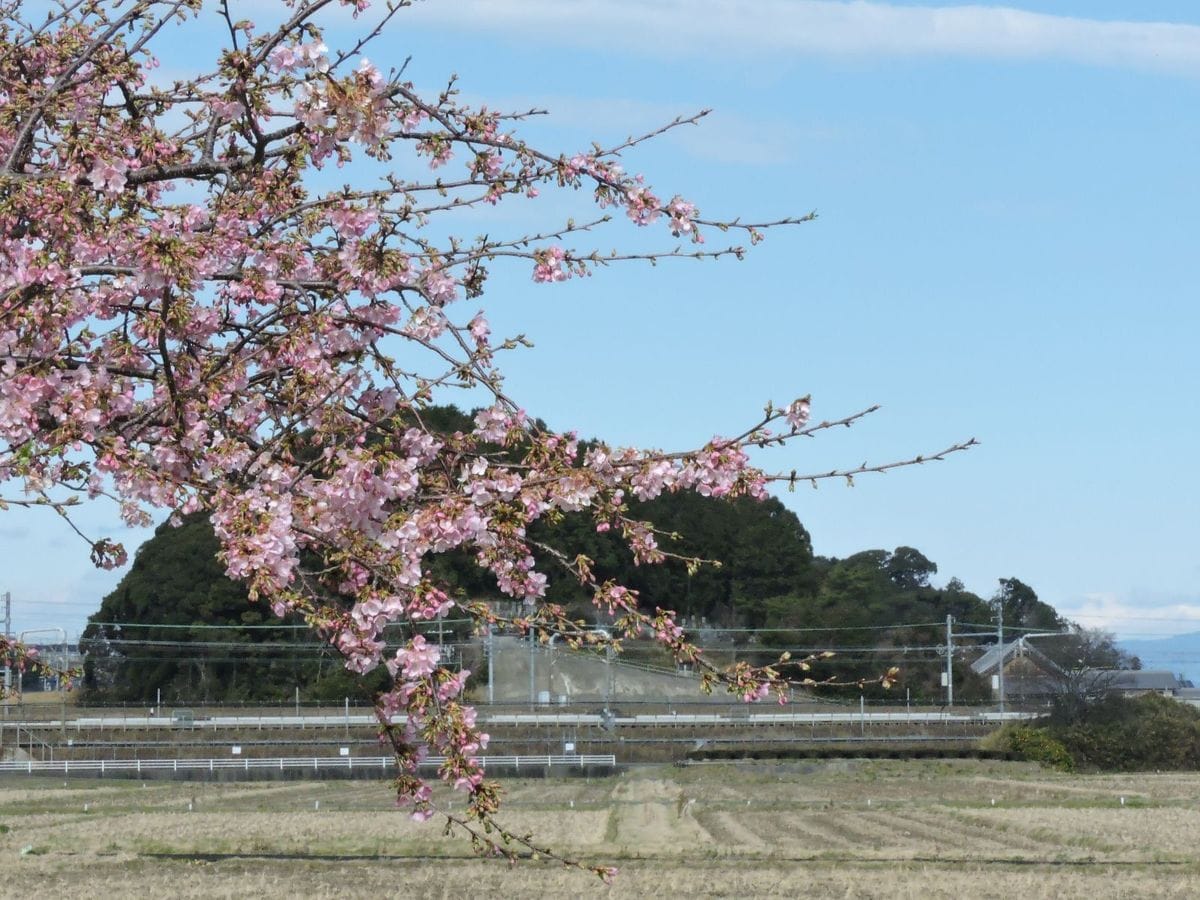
pixel 147 634
pixel 175 592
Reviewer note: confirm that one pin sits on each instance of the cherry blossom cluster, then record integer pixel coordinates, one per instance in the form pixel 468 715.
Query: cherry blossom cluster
pixel 189 322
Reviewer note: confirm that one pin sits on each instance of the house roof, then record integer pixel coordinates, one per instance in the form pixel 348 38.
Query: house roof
pixel 1145 680
pixel 994 656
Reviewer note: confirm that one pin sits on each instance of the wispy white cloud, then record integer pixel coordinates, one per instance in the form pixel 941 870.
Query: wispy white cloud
pixel 828 27
pixel 1137 616
pixel 721 136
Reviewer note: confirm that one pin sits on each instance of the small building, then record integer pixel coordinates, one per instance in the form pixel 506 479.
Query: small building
pixel 1030 675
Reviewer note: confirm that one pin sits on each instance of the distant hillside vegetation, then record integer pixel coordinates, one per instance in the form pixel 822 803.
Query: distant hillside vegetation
pixel 176 624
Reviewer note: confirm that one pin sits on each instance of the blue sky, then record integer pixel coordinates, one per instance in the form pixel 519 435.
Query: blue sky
pixel 1007 203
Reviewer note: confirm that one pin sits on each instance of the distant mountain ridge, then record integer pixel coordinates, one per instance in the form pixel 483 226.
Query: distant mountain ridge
pixel 1179 653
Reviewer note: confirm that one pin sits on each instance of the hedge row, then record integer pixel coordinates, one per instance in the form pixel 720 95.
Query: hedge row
pixel 783 753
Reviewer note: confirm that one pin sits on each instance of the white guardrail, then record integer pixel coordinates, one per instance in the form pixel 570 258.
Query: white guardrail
pixel 753 718
pixel 335 720
pixel 313 763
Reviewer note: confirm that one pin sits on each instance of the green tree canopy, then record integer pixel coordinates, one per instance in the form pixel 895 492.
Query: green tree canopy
pixel 1023 609
pixel 136 644
pixel 176 625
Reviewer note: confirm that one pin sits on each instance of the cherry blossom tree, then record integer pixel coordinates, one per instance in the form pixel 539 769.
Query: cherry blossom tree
pixel 189 321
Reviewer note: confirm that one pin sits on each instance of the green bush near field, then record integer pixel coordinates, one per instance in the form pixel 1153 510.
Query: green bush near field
pixel 1033 744
pixel 1128 734
pixel 1115 734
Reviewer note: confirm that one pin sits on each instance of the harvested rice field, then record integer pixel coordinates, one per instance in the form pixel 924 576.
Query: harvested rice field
pixel 894 829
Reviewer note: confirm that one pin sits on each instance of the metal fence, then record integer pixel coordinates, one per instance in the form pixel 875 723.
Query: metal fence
pixel 285 763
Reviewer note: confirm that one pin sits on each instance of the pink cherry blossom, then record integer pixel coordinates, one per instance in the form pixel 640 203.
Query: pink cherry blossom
pixel 109 176
pixel 440 286
pixel 641 206
pixel 550 265
pixel 681 214
pixel 419 659
pixel 797 413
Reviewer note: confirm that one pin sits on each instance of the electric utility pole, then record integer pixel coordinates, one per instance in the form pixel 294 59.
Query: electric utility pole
pixel 949 660
pixel 532 670
pixel 8 639
pixel 491 664
pixel 1000 637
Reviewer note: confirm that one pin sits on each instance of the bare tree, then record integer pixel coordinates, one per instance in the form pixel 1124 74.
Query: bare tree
pixel 1081 666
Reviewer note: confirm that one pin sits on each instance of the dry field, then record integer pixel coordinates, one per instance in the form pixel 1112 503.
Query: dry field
pixel 924 829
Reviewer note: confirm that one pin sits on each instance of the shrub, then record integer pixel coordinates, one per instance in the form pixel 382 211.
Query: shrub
pixel 1036 745
pixel 1124 734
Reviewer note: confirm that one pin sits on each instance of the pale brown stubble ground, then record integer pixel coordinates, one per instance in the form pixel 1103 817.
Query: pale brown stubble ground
pixel 878 829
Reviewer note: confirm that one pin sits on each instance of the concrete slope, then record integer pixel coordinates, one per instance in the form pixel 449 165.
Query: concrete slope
pixel 581 676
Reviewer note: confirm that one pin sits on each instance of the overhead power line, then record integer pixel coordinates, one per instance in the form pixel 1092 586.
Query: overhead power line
pixel 1178 620
pixel 778 628
pixel 445 622
pixel 279 627
pixel 839 650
